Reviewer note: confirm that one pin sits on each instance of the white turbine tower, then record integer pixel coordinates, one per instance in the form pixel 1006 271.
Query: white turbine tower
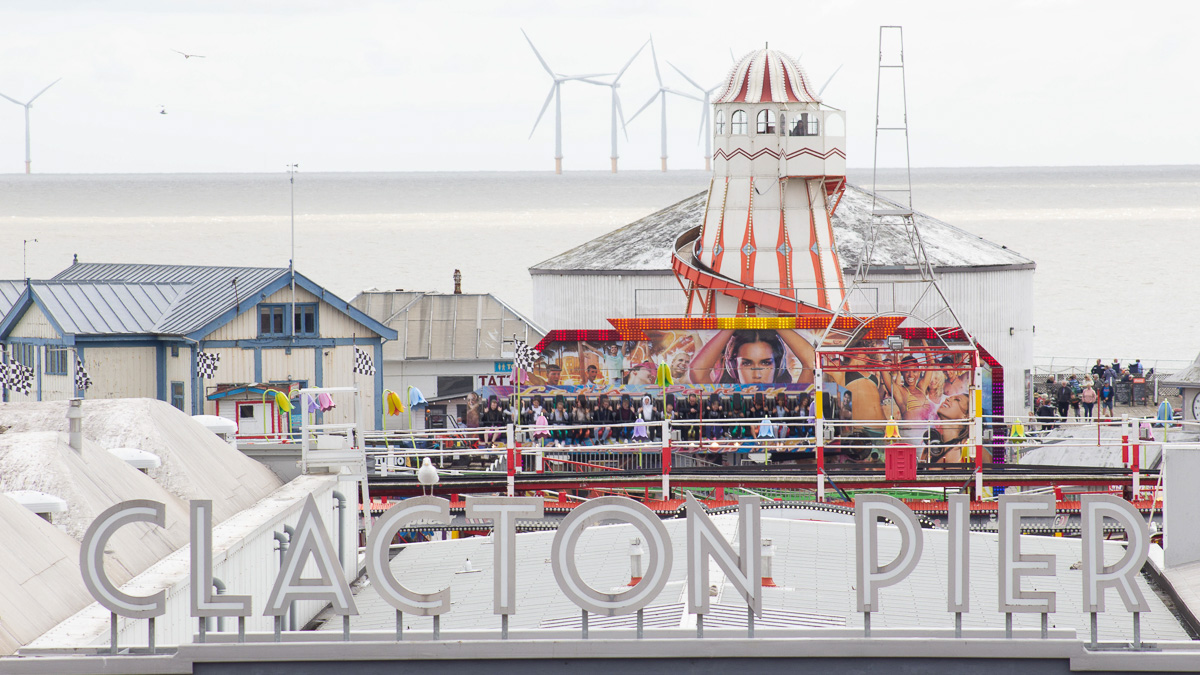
pixel 704 115
pixel 555 94
pixel 616 102
pixel 662 92
pixel 27 106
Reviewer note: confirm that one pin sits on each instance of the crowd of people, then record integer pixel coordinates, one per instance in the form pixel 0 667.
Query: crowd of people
pixel 604 420
pixel 1089 398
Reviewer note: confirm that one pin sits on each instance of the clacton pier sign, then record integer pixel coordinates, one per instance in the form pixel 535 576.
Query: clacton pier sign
pixel 310 569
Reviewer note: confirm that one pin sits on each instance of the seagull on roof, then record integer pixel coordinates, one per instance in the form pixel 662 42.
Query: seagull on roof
pixel 187 56
pixel 427 475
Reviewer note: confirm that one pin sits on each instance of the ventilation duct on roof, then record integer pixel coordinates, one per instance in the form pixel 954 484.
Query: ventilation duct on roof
pixel 75 424
pixel 41 503
pixel 139 459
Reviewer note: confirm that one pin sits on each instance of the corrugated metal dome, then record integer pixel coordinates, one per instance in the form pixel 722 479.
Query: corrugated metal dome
pixel 767 75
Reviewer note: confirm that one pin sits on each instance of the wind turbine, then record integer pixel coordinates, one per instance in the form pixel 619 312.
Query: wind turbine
pixel 662 92
pixel 27 106
pixel 616 102
pixel 704 115
pixel 556 96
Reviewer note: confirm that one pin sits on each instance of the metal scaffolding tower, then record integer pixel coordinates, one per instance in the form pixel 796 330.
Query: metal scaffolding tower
pixel 891 207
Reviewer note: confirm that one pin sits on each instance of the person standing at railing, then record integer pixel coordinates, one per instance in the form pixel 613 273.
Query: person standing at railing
pixel 1088 398
pixel 1076 394
pixel 691 411
pixel 602 417
pixel 649 415
pixel 1098 371
pixel 1062 399
pixel 559 418
pixel 1107 393
pixel 625 415
pixel 494 419
pixel 581 416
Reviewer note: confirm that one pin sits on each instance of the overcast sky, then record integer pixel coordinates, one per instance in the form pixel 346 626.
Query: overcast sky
pixel 434 86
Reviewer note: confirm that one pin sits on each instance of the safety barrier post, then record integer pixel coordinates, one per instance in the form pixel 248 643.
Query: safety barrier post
pixel 977 432
pixel 1137 469
pixel 1125 440
pixel 510 445
pixel 666 460
pixel 819 430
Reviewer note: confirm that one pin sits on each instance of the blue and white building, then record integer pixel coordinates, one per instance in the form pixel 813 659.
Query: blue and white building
pixel 138 329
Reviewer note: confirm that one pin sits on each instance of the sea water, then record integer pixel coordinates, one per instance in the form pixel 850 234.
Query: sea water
pixel 1113 245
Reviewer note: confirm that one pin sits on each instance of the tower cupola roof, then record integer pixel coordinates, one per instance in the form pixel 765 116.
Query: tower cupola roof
pixel 767 75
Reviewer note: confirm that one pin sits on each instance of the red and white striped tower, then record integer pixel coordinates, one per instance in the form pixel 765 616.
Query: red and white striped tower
pixel 779 169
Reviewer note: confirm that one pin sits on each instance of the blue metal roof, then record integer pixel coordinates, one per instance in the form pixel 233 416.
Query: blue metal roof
pixel 9 292
pixel 208 292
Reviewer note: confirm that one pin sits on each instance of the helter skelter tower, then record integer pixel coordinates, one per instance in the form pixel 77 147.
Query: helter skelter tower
pixel 766 245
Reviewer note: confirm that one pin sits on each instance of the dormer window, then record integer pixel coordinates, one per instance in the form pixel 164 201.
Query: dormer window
pixel 738 122
pixel 720 122
pixel 766 122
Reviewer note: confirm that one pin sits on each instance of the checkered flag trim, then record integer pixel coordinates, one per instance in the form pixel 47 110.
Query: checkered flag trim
pixel 525 356
pixel 82 381
pixel 363 363
pixel 18 377
pixel 207 364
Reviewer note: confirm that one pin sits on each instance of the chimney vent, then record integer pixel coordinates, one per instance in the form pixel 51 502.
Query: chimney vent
pixel 75 424
pixel 457 282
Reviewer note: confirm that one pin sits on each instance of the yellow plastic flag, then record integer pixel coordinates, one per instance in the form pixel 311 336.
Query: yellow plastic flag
pixel 282 402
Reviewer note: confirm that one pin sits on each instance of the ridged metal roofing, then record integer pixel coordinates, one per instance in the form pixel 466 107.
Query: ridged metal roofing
pixel 646 245
pixel 9 292
pixel 206 292
pixel 106 308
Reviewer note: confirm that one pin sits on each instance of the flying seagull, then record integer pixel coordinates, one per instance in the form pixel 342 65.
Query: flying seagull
pixel 187 56
pixel 163 111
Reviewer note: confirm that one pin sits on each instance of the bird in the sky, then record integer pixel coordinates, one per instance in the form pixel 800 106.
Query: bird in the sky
pixel 427 475
pixel 187 56
pixel 163 111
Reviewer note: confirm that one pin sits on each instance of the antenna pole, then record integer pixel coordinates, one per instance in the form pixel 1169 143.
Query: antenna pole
pixel 292 261
pixel 25 256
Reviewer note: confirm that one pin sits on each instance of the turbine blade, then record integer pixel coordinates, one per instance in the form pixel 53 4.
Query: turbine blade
pixel 654 54
pixel 12 99
pixel 537 54
pixel 731 56
pixel 646 105
pixel 822 89
pixel 630 61
pixel 584 77
pixel 684 75
pixel 545 105
pixel 43 91
pixel 683 94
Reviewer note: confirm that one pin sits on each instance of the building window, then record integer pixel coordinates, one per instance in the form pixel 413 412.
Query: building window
pixel 766 122
pixel 737 123
pixel 805 125
pixel 25 355
pixel 56 361
pixel 177 394
pixel 270 320
pixel 174 350
pixel 246 412
pixel 720 122
pixel 305 320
